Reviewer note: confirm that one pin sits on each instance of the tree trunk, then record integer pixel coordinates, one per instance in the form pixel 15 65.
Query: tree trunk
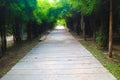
pixel 16 31
pixel 3 40
pixel 84 35
pixel 4 35
pixel 22 32
pixel 94 31
pixel 83 27
pixel 110 31
pixel 29 30
pixel 1 53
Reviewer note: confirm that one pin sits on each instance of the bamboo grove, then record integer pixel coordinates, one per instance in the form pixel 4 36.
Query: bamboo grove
pixel 91 18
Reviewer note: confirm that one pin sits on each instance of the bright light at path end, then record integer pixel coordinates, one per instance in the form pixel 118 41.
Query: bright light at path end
pixel 58 0
pixel 52 1
pixel 60 27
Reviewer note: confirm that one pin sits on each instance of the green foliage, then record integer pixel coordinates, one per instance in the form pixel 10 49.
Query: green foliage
pixel 101 38
pixel 49 10
pixel 61 22
pixel 86 7
pixel 8 30
pixel 112 66
pixel 25 11
pixel 98 37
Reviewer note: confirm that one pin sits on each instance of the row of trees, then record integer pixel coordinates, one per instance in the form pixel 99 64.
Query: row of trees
pixel 33 17
pixel 91 18
pixel 94 19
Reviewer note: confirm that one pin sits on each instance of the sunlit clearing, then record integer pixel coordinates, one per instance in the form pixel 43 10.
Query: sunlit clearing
pixel 58 0
pixel 60 27
pixel 51 1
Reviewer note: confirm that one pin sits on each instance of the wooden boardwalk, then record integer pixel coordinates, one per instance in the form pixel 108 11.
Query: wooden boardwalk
pixel 59 57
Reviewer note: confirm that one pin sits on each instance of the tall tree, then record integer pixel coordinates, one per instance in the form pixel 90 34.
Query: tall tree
pixel 110 30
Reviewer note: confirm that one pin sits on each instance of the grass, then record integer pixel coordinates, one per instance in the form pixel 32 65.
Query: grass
pixel 14 54
pixel 112 64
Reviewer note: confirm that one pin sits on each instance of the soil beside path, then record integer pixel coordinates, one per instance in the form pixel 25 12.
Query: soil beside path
pixel 59 57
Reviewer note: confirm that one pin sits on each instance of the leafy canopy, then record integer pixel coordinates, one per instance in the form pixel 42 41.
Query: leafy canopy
pixel 47 10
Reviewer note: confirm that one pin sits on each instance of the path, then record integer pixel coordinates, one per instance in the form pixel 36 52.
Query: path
pixel 59 57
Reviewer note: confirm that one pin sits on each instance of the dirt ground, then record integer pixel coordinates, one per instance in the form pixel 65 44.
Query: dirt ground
pixel 116 47
pixel 14 54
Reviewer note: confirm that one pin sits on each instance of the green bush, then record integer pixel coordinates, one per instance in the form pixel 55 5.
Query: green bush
pixel 8 30
pixel 101 38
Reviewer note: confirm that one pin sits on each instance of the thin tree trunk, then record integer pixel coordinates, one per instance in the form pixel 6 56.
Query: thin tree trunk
pixel 22 32
pixel 4 35
pixel 3 31
pixel 82 23
pixel 84 35
pixel 1 53
pixel 83 27
pixel 29 31
pixel 110 31
pixel 16 31
pixel 3 40
pixel 13 31
pixel 94 29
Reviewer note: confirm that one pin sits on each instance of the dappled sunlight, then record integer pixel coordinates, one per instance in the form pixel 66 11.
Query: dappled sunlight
pixel 53 1
pixel 60 27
